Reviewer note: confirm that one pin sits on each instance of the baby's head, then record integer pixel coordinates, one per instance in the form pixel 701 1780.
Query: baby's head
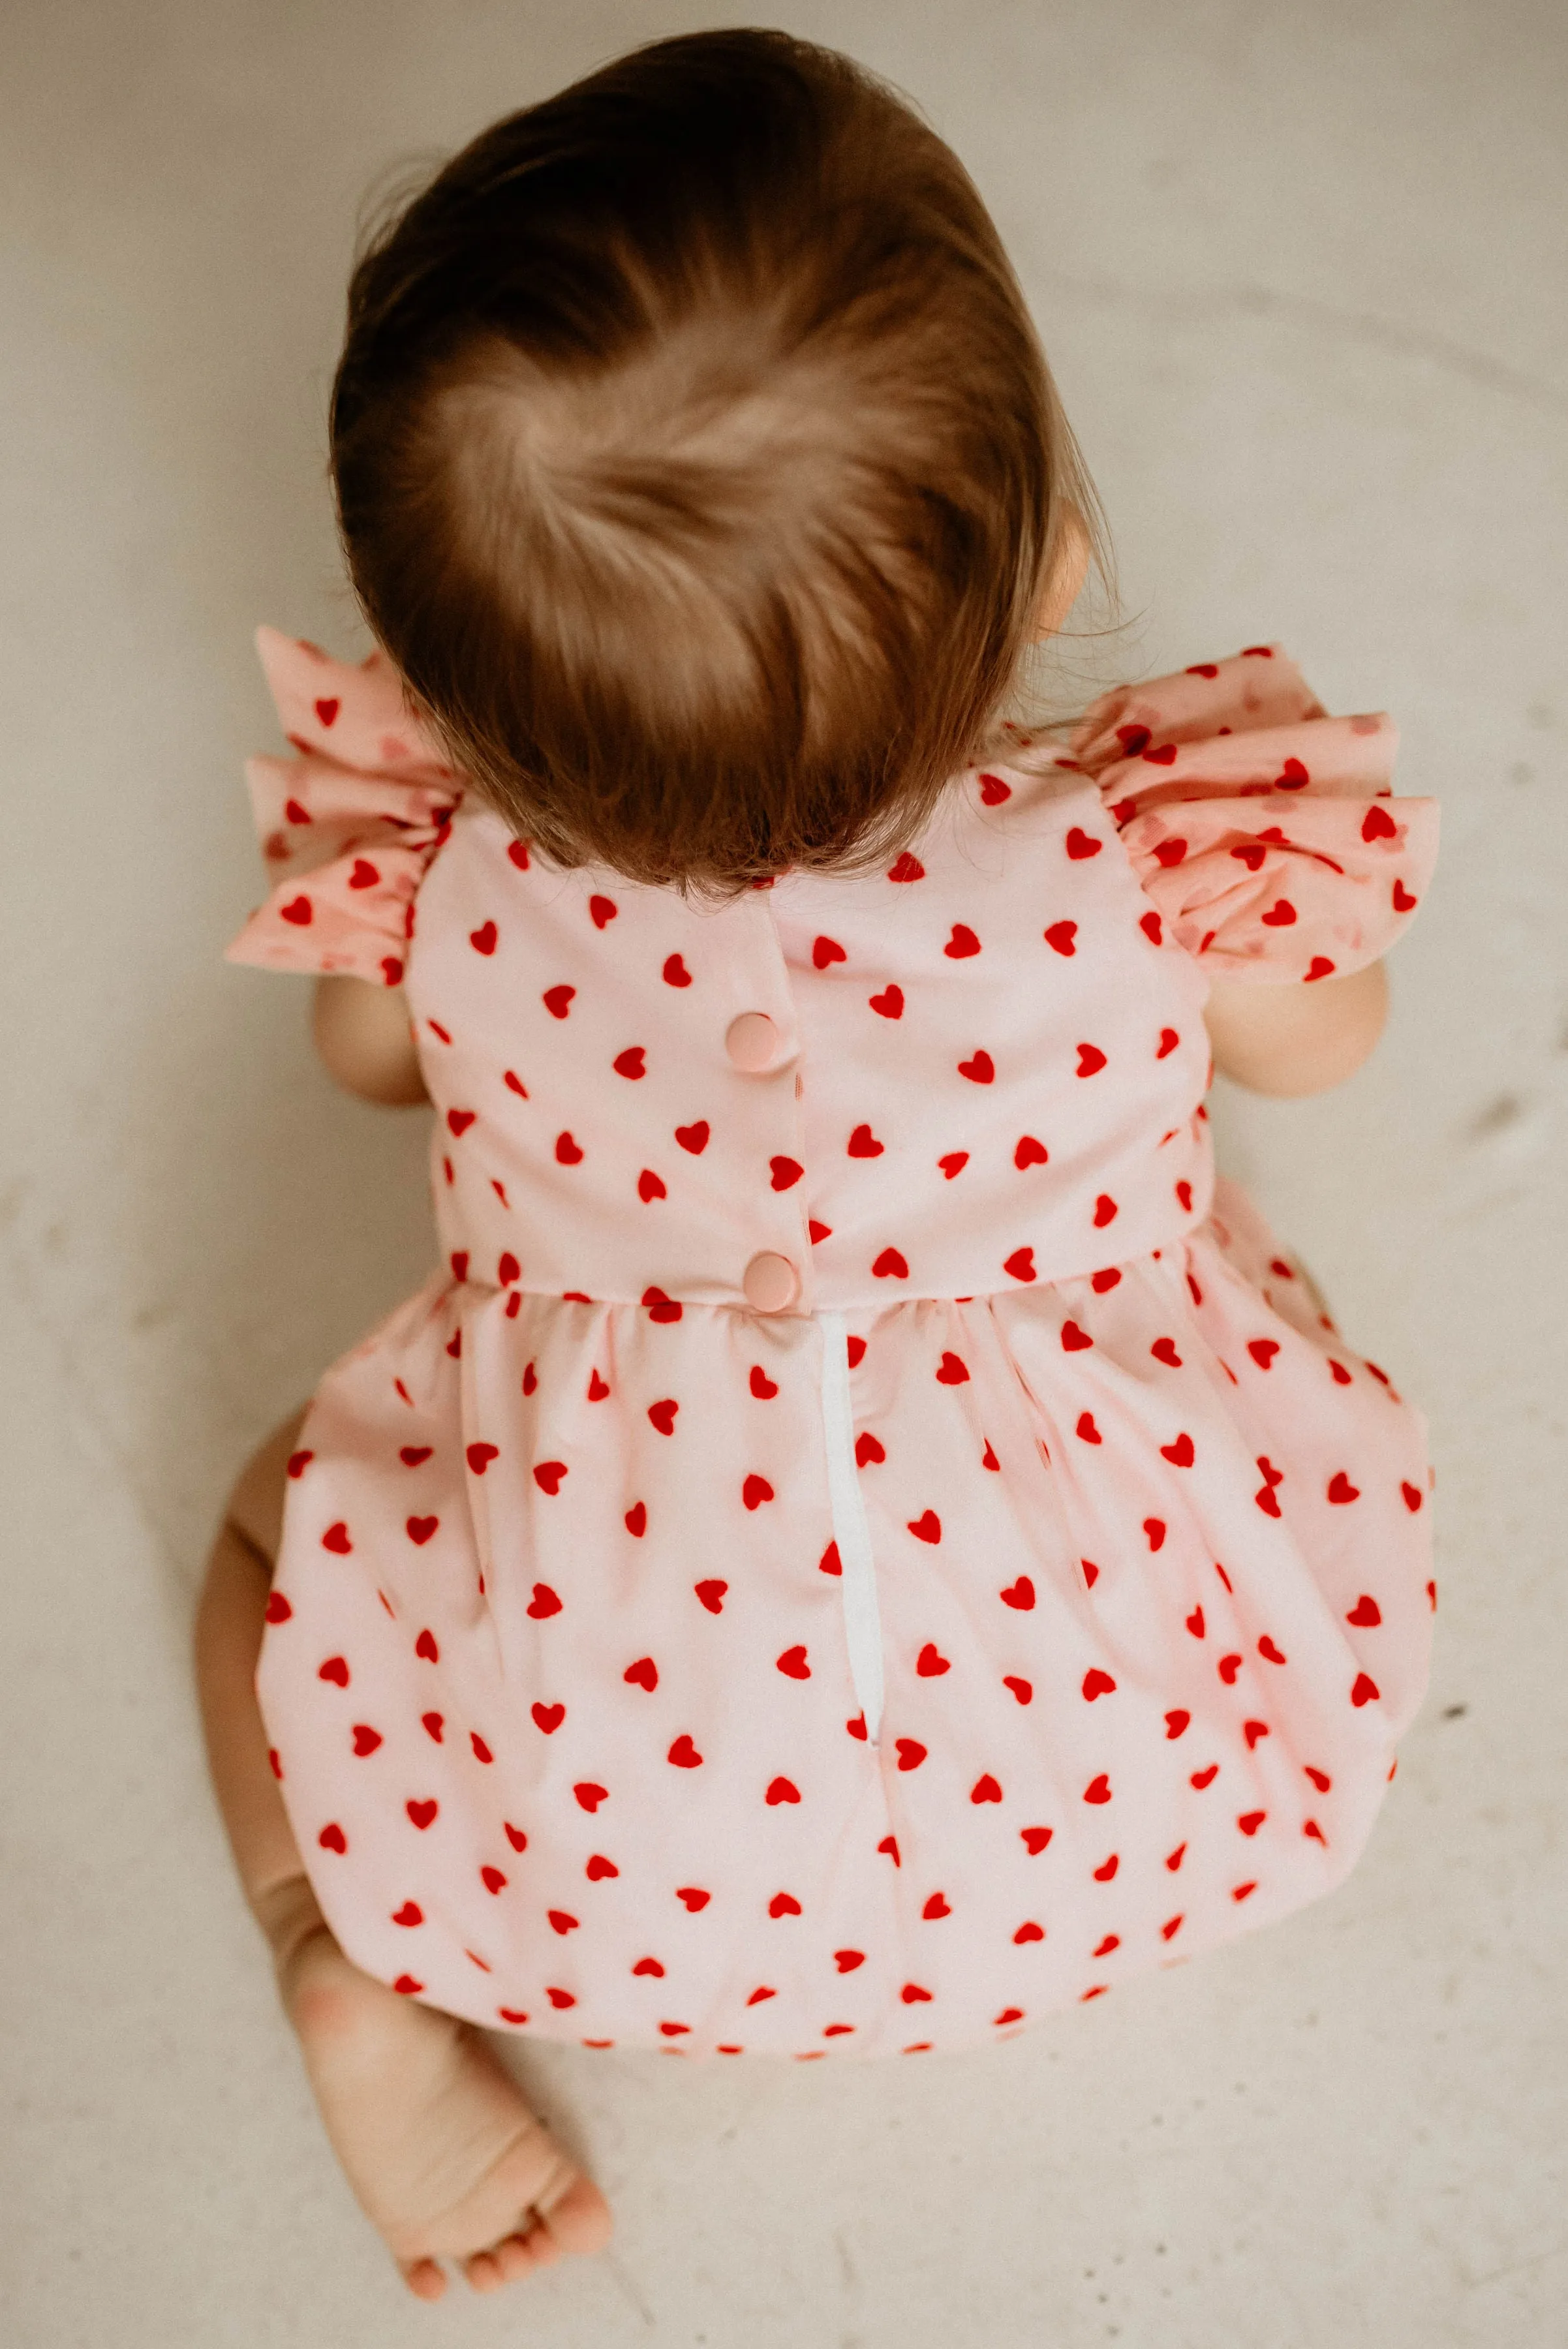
pixel 698 464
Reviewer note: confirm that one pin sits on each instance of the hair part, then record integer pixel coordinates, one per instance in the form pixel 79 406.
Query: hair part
pixel 696 463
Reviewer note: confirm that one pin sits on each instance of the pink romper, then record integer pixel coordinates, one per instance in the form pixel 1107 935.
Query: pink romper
pixel 861 1543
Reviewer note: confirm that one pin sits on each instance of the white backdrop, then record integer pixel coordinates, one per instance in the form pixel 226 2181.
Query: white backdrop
pixel 1299 268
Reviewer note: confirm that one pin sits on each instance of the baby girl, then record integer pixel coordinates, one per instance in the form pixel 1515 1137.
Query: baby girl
pixel 863 1542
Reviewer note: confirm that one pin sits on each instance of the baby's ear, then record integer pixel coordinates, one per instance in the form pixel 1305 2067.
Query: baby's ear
pixel 1068 568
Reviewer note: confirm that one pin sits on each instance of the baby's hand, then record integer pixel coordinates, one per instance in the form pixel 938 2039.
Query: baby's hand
pixel 364 1035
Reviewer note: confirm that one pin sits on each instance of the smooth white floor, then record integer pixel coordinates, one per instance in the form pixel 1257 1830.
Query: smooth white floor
pixel 1301 270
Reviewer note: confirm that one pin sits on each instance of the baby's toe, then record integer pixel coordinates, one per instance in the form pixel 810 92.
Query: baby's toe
pixel 424 2279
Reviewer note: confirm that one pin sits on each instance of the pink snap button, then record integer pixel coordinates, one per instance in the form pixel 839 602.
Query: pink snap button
pixel 752 1041
pixel 770 1282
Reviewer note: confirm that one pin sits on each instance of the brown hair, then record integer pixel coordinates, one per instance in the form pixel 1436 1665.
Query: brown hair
pixel 696 463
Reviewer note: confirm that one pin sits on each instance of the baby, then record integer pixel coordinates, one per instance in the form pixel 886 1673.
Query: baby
pixel 863 1542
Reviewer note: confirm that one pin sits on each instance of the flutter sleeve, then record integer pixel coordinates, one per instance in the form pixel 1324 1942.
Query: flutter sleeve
pixel 1264 830
pixel 350 823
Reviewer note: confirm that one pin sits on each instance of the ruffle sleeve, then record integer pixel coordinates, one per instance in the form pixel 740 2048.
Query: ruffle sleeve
pixel 350 823
pixel 1264 830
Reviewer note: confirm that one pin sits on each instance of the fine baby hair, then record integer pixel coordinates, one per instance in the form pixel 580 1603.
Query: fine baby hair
pixel 698 464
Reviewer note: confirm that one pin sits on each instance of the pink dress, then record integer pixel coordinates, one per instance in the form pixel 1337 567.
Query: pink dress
pixel 860 1544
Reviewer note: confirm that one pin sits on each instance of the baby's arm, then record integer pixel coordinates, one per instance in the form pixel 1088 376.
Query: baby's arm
pixel 363 1034
pixel 1296 1039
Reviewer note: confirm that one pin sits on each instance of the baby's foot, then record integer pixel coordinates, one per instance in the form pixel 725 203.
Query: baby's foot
pixel 444 2157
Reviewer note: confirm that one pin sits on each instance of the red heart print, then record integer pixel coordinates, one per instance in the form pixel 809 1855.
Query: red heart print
pixel 516 1837
pixel 1292 777
pixel 1087 1430
pixel 1180 1454
pixel 561 1919
pixel 1253 1730
pixel 1251 854
pixel 1098 1790
pixel 1091 1060
pixel 1035 1839
pixel 648 1966
pixel 1176 1721
pixel 299 911
pixel 1019 1265
pixel 459 1257
pixel 1019 1595
pixel 644 1673
pixel 712 1594
pixel 1202 1778
pixel 631 1063
pixel 781 1790
pixel 1164 1350
pixel 1280 915
pixel 589 1796
pixel 907 868
pixel 1063 936
pixel 567 1151
pixel 889 1002
pixel 480 1455
pixel 602 910
pixel 507 1269
pixel 985 1789
pixel 980 1071
pixel 826 950
pixel 1269 1651
pixel 1081 844
pixel 294 813
pixel 1098 1683
pixel 335 1668
pixel 364 875
pixel 761 1992
pixel 512 2014
pixel 597 1388
pixel 1111 1941
pixel 927 1527
pixel 783 1904
pixel 869 1451
pixel 1107 1869
pixel 599 1868
pixel 1365 1614
pixel 1403 901
pixel 662 1416
pixel 410 1913
pixel 548 1717
pixel 847 1961
pixel 1163 756
pixel 963 942
pixel 557 1001
pixel 366 1739
pixel 830 1561
pixel 1074 1339
pixel 1263 1351
pixel 326 711
pixel 1264 1497
pixel 786 1173
pixel 863 1144
pixel 559 1998
pixel 937 1906
pixel 425 1647
pixel 953 1371
pixel 332 1838
pixel 419 1529
pixel 1340 1490
pixel 762 1386
pixel 1030 1153
pixel 1378 825
pixel 482 1752
pixel 693 1897
pixel 1341 1375
pixel 993 791
pixel 794 1665
pixel 1320 1778
pixel 1169 852
pixel 930 1663
pixel 954 1162
pixel 432 1725
pixel 422 1813
pixel 278 1609
pixel 483 939
pixel 756 1491
pixel 693 1138
pixel 856 1728
pixel 1228 1668
pixel 1106 1211
pixel 637 1520
pixel 891 1266
pixel 1149 923
pixel 547 1475
pixel 518 850
pixel 299 1462
pixel 1021 1688
pixel 1195 1624
pixel 988 1459
pixel 1251 1821
pixel 911 1754
pixel 684 1755
pixel 1413 1496
pixel 335 1539
pixel 543 1602
pixel 1168 1041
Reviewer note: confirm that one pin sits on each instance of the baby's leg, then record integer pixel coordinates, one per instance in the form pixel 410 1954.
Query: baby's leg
pixel 441 2151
